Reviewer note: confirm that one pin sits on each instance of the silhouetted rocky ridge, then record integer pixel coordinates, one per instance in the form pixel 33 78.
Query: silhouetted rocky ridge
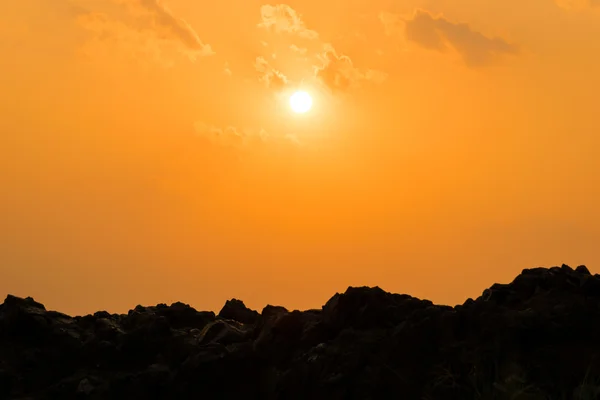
pixel 537 337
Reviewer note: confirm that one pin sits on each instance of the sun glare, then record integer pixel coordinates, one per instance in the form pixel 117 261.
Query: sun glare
pixel 300 102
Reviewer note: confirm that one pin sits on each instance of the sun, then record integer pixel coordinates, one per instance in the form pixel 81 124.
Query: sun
pixel 300 102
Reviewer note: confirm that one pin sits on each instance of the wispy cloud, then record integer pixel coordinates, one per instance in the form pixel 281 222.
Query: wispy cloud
pixel 281 18
pixel 244 138
pixel 174 27
pixel 334 69
pixel 227 70
pixel 338 72
pixel 150 28
pixel 230 136
pixel 299 50
pixel 270 76
pixel 391 23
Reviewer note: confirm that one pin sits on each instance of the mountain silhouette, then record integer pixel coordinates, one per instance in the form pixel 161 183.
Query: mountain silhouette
pixel 537 337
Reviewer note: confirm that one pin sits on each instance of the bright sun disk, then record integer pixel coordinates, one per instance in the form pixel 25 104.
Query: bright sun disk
pixel 300 102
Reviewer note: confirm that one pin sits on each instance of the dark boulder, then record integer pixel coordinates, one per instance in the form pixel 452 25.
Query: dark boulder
pixel 272 311
pixel 236 310
pixel 365 307
pixel 181 315
pixel 582 269
pixel 224 332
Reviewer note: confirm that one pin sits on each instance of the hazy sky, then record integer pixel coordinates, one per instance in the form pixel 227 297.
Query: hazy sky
pixel 148 153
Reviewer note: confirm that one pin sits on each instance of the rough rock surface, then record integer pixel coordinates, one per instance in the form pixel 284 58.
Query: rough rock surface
pixel 535 338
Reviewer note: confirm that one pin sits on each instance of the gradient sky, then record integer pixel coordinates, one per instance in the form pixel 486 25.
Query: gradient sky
pixel 148 153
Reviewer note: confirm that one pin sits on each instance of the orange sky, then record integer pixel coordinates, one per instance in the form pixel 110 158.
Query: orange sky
pixel 148 153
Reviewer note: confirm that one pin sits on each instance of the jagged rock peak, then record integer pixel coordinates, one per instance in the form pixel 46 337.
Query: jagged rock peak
pixel 14 301
pixel 236 310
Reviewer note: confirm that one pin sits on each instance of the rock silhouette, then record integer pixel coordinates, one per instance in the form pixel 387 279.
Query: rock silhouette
pixel 535 338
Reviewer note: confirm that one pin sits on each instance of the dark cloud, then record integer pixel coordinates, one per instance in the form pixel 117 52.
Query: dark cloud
pixel 438 33
pixel 177 28
pixel 150 29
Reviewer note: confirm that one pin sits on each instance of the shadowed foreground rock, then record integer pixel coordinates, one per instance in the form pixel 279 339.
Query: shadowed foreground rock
pixel 535 338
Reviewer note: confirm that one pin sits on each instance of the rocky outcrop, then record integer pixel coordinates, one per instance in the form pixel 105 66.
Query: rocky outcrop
pixel 537 337
pixel 236 310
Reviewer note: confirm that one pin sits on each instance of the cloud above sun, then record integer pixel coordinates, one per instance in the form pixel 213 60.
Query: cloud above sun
pixel 150 29
pixel 334 69
pixel 281 18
